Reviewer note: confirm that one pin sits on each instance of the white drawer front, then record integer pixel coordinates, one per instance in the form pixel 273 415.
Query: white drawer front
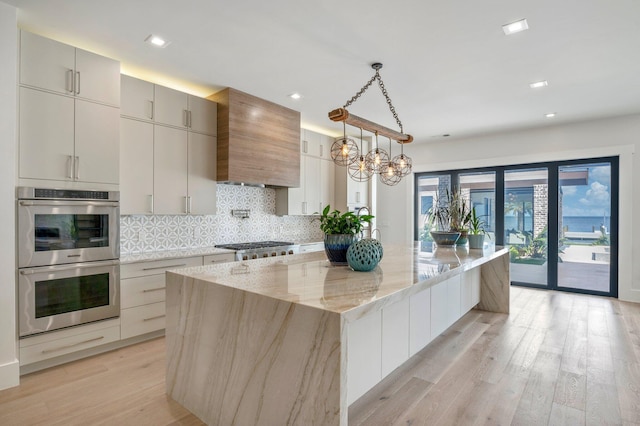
pixel 142 291
pixel 308 248
pixel 67 345
pixel 219 258
pixel 156 267
pixel 142 319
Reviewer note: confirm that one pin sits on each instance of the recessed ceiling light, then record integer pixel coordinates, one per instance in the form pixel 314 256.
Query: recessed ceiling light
pixel 550 115
pixel 515 27
pixel 295 96
pixel 538 84
pixel 156 41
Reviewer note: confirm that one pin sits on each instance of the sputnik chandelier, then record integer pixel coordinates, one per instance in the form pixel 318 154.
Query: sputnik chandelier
pixel 362 166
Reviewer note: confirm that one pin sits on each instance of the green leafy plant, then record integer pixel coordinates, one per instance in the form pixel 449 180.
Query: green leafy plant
pixel 476 225
pixel 450 212
pixel 335 222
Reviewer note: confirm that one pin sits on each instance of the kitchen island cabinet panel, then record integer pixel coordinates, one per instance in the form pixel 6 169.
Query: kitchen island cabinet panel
pixel 419 321
pixel 395 336
pixel 364 355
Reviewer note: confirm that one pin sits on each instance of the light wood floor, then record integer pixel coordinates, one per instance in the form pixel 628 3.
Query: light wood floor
pixel 557 359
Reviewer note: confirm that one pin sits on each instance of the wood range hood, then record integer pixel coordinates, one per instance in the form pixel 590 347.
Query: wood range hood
pixel 258 141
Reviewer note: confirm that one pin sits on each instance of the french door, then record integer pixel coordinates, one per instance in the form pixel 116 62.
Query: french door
pixel 558 219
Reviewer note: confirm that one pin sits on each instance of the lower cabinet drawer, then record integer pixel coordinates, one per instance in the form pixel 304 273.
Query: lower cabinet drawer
pixel 219 258
pixel 67 345
pixel 142 319
pixel 142 291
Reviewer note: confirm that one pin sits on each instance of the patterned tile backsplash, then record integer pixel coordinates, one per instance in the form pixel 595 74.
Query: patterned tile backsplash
pixel 140 234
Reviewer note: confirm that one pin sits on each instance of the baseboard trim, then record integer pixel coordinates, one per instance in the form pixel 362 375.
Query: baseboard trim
pixel 9 374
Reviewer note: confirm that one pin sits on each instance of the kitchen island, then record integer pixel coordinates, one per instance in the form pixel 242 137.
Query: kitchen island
pixel 295 341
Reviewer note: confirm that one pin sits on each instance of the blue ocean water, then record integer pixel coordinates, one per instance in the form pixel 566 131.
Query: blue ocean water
pixel 573 223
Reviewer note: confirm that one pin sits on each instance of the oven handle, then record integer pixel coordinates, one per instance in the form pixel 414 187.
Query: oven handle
pixel 70 266
pixel 71 204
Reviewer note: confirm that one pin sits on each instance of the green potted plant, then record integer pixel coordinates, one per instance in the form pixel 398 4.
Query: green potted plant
pixel 476 231
pixel 448 218
pixel 340 231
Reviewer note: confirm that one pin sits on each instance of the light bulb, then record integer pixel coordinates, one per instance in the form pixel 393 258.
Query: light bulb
pixel 345 149
pixel 377 157
pixel 390 171
pixel 402 162
pixel 362 165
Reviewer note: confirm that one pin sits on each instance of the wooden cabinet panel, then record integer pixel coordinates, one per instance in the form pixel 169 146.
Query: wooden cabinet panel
pixel 170 170
pixel 136 167
pixel 258 141
pixel 46 135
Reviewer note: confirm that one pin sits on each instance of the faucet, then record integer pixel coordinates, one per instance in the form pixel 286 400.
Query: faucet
pixel 366 226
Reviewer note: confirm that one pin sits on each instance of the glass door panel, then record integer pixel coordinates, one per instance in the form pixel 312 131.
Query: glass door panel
pixel 481 191
pixel 526 224
pixel 428 189
pixel 584 222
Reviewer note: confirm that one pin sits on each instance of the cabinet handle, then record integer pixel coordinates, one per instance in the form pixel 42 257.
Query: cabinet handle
pixel 152 318
pixel 165 267
pixel 304 207
pixel 357 196
pixel 189 117
pixel 305 147
pixel 185 118
pixel 151 110
pixel 188 204
pixel 59 348
pixel 149 290
pixel 77 167
pixel 77 82
pixel 150 203
pixel 321 150
pixel 70 166
pixel 69 81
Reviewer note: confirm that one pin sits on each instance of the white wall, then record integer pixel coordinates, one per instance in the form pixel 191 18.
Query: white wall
pixel 9 368
pixel 595 138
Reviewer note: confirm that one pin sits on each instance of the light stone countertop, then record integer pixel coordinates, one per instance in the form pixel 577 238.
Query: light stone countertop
pixel 170 254
pixel 309 279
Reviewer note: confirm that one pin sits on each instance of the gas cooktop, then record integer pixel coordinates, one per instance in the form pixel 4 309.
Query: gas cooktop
pixel 254 245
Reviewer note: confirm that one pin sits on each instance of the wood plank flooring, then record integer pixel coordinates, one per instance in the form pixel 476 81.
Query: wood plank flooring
pixel 557 359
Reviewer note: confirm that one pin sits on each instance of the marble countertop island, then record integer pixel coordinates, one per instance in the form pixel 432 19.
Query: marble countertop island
pixel 273 341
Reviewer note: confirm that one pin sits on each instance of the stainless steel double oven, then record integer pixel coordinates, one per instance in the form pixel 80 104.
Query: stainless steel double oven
pixel 68 258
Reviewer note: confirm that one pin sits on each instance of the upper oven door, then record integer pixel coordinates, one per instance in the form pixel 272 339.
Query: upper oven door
pixel 53 232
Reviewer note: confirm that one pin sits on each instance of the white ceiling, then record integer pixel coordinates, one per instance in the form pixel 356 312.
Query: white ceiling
pixel 448 67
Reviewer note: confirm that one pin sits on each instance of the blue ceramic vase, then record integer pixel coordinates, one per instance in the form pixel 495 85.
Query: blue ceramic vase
pixel 336 246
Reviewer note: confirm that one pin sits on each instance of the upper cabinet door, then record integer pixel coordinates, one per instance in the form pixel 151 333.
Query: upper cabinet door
pixel 46 63
pixel 170 170
pixel 97 143
pixel 136 98
pixel 202 174
pixel 136 167
pixel 203 115
pixel 46 135
pixel 170 107
pixel 97 78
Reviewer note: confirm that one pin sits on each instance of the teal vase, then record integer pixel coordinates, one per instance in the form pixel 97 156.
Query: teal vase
pixel 364 255
pixel 336 246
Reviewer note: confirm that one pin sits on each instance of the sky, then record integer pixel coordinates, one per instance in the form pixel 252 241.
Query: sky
pixel 592 199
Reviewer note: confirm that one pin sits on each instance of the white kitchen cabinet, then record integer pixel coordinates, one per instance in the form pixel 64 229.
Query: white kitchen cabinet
pixel 351 194
pixel 470 290
pixel 170 164
pixel 142 296
pixel 453 300
pixel 170 107
pixel 419 321
pixel 395 336
pixel 364 355
pixel 201 174
pixel 439 314
pixel 317 177
pixel 68 114
pixel 136 167
pixel 67 140
pixel 211 259
pixel 137 98
pixel 325 146
pixel 179 109
pixel 60 68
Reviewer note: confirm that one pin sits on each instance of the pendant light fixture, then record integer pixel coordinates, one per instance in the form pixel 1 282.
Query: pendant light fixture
pixel 377 158
pixel 344 151
pixel 358 169
pixel 389 174
pixel 365 165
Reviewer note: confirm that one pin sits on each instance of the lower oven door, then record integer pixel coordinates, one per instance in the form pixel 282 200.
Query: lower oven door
pixel 55 297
